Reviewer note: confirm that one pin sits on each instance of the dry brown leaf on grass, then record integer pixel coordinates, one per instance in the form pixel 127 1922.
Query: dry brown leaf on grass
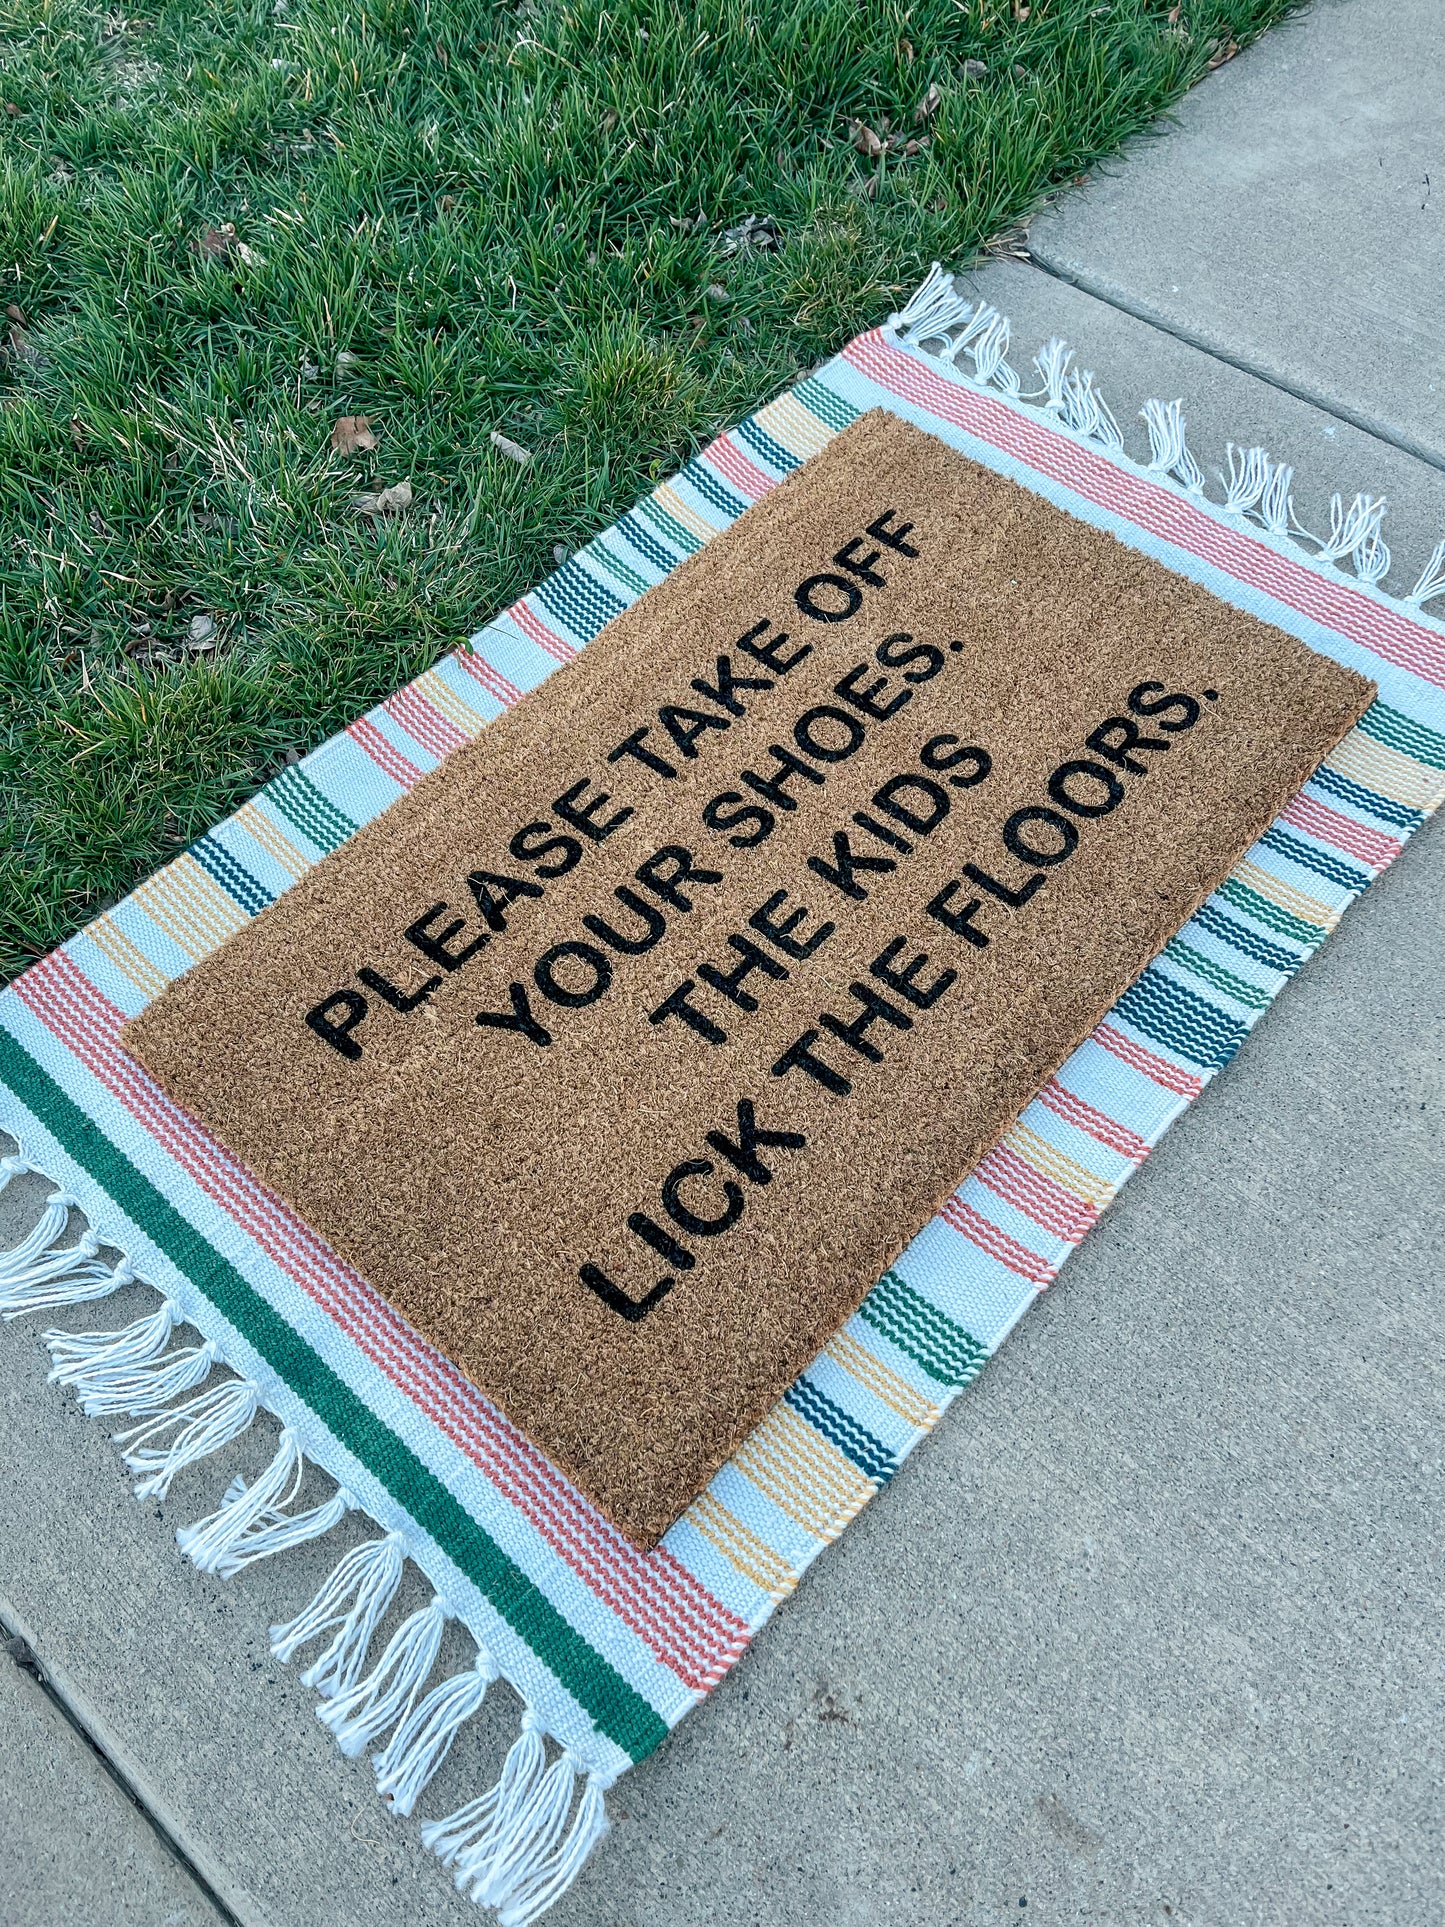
pixel 1226 50
pixel 905 50
pixel 21 345
pixel 384 501
pixel 201 635
pixel 868 144
pixel 1171 19
pixel 928 106
pixel 216 242
pixel 513 451
pixel 351 435
pixel 975 69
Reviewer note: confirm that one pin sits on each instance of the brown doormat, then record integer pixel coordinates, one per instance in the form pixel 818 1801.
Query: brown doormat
pixel 626 1051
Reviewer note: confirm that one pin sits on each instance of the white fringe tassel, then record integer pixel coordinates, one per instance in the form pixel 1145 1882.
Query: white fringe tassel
pixel 85 1360
pixel 349 1606
pixel 934 310
pixel 1355 531
pixel 1432 579
pixel 534 1892
pixel 425 1735
pixel 116 1387
pixel 37 1242
pixel 1087 413
pixel 387 1694
pixel 39 1274
pixel 1276 504
pixel 508 1848
pixel 1168 450
pixel 1247 478
pixel 252 1524
pixel 197 1429
pixel 469 1839
pixel 1254 485
pixel 989 364
pixel 1052 362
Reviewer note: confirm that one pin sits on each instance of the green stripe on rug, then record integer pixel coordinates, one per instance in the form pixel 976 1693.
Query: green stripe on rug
pixel 1239 988
pixel 615 1707
pixel 1270 914
pixel 679 537
pixel 929 1337
pixel 294 796
pixel 830 409
pixel 1400 732
pixel 598 551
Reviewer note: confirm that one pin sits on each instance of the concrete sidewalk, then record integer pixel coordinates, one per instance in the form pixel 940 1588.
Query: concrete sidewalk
pixel 1150 1630
pixel 1294 223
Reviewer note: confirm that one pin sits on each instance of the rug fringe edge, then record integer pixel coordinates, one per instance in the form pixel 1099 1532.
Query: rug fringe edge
pixel 1255 487
pixel 519 1846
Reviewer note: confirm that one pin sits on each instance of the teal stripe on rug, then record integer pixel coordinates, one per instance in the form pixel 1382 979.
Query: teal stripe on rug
pixel 296 798
pixel 1217 975
pixel 1190 1026
pixel 949 1354
pixel 1398 731
pixel 1271 915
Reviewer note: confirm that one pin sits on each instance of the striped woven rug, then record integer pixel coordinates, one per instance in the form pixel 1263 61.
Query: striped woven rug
pixel 609 1647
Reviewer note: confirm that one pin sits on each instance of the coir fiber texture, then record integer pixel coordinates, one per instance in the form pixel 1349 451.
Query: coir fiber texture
pixel 765 934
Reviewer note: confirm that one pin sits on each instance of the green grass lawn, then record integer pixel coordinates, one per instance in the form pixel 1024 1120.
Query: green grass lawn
pixel 224 227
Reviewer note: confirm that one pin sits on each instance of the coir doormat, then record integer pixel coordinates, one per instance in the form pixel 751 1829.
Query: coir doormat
pixel 629 1049
pixel 609 1645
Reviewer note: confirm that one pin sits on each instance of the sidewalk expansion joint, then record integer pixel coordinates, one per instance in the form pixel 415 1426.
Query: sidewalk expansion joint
pixel 1336 410
pixel 16 1648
